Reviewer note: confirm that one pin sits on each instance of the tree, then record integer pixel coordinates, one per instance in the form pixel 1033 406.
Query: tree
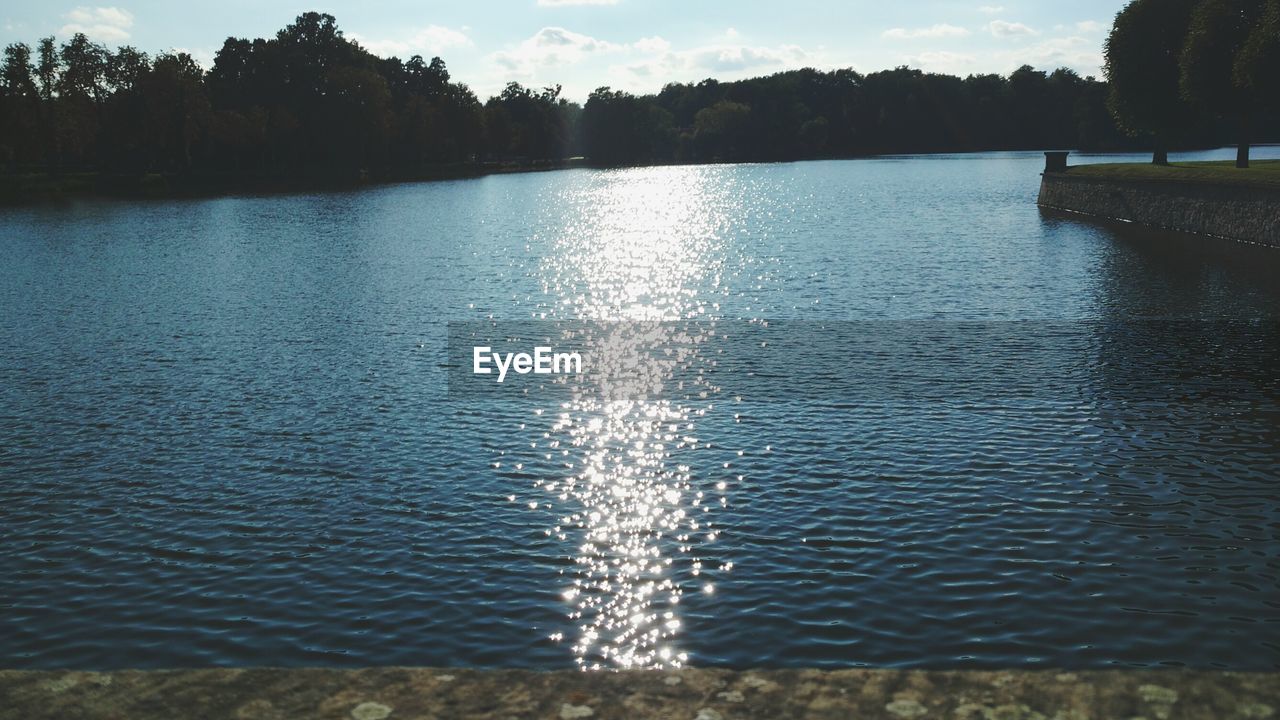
pixel 124 67
pixel 312 45
pixel 177 109
pixel 814 134
pixel 17 73
pixel 81 89
pixel 534 125
pixel 1217 33
pixel 19 106
pixel 50 65
pixel 1031 111
pixel 620 128
pixel 1257 68
pixel 124 142
pixel 84 69
pixel 1142 64
pixel 720 131
pixel 356 118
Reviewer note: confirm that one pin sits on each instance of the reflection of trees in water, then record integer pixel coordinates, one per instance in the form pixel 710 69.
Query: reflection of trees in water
pixel 1184 423
pixel 1186 336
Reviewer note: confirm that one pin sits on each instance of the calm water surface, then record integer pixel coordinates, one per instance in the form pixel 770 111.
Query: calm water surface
pixel 226 436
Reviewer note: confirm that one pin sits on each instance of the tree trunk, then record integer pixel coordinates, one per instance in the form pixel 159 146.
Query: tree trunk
pixel 1160 157
pixel 1242 149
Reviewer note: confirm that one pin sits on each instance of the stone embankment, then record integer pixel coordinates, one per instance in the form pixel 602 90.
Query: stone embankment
pixel 1247 214
pixel 396 693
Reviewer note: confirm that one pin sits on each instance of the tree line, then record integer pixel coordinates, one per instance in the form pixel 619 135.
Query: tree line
pixel 1173 63
pixel 814 114
pixel 310 102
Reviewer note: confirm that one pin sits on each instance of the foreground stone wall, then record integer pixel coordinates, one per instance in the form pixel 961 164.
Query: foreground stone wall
pixel 418 693
pixel 1238 213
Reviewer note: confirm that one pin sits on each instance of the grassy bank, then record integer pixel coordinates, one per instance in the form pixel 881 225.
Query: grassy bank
pixel 1262 173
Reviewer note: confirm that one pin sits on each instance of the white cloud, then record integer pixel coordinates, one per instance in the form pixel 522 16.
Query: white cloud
pixel 742 58
pixel 1090 26
pixel 203 58
pixel 717 60
pixel 942 61
pixel 1003 29
pixel 426 41
pixel 109 24
pixel 933 31
pixel 652 45
pixel 565 3
pixel 991 9
pixel 1076 52
pixel 575 60
pixel 551 47
pixel 1080 54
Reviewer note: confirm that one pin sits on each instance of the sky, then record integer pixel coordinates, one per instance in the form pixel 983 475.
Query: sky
pixel 634 45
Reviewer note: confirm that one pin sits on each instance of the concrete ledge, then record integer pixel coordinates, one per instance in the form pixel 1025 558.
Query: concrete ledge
pixel 375 694
pixel 1246 214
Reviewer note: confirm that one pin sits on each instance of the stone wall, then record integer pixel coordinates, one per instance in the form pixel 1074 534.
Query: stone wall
pixel 1237 213
pixel 710 694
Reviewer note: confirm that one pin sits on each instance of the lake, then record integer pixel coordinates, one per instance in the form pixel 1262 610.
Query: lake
pixel 993 437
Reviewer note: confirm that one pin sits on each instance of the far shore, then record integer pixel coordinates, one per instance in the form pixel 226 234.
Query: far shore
pixel 37 187
pixel 22 188
pixel 18 188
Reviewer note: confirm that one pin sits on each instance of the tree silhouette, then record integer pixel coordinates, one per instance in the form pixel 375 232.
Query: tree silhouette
pixel 19 108
pixel 617 128
pixel 1257 67
pixel 176 111
pixel 524 124
pixel 1142 65
pixel 1216 35
pixel 722 131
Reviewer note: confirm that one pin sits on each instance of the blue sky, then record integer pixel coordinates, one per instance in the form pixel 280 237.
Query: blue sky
pixel 637 45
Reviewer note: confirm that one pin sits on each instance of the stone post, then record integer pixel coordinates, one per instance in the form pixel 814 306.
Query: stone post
pixel 1055 160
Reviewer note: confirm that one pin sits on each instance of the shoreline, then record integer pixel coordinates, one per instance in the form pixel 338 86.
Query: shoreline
pixel 18 189
pixel 694 694
pixel 21 190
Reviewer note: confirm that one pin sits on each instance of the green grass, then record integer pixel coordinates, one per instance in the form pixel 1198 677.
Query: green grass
pixel 1260 174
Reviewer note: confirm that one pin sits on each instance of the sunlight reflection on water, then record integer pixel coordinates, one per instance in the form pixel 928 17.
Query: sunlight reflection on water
pixel 644 249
